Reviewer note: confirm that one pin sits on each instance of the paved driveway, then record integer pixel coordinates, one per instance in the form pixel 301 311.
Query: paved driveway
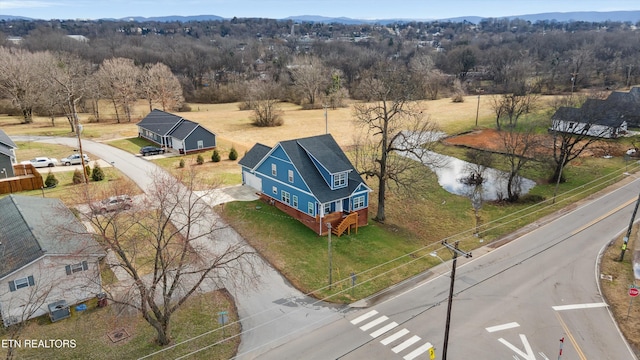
pixel 271 312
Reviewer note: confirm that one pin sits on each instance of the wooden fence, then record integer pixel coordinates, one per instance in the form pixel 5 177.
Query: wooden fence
pixel 26 178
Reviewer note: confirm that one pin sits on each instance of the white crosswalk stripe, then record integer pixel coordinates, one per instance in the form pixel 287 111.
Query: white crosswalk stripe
pixel 373 323
pixel 364 317
pixel 394 337
pixel 404 345
pixel 383 329
pixel 417 352
pixel 412 340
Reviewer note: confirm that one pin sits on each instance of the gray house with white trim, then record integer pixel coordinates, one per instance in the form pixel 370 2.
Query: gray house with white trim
pixel 174 132
pixel 46 256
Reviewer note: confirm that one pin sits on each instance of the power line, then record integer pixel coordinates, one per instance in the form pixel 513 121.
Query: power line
pixel 465 234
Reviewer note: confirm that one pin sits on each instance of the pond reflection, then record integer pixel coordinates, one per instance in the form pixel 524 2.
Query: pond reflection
pixel 452 173
pixel 494 185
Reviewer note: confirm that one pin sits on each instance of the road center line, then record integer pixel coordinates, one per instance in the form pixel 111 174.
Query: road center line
pixel 579 306
pixel 571 338
pixel 510 325
pixel 603 216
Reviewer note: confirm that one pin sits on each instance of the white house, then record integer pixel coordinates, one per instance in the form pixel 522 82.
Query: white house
pixel 46 255
pixel 595 118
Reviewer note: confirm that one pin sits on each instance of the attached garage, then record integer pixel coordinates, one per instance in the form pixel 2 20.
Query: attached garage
pixel 252 180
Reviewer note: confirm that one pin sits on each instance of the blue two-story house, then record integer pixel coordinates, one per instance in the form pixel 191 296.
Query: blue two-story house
pixel 310 179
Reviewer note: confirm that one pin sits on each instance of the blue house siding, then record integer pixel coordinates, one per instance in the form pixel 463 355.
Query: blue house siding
pixel 297 176
pixel 283 166
pixel 326 175
pixel 200 133
pixel 151 136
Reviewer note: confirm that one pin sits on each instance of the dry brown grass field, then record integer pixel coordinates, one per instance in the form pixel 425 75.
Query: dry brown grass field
pixel 234 125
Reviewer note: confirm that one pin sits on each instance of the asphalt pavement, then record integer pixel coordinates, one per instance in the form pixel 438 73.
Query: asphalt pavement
pixel 271 310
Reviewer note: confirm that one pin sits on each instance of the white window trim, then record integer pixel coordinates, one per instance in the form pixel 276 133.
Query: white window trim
pixel 274 170
pixel 311 208
pixel 358 202
pixel 285 197
pixel 21 283
pixel 275 190
pixel 339 180
pixel 294 201
pixel 290 176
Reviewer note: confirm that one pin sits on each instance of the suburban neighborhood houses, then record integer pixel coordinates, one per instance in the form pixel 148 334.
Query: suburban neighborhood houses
pixel 312 180
pixel 310 188
pixel 46 256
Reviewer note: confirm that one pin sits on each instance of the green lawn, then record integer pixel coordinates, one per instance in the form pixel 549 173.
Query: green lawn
pixel 384 254
pixel 90 330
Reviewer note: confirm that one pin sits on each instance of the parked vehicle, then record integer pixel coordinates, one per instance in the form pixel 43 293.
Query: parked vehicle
pixel 113 203
pixel 74 159
pixel 151 150
pixel 41 162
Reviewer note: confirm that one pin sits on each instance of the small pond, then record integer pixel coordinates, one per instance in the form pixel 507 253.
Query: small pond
pixel 452 172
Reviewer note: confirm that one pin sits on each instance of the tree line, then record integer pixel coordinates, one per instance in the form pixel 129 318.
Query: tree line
pixel 214 61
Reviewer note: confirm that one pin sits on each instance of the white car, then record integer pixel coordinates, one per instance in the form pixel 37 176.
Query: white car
pixel 41 162
pixel 74 159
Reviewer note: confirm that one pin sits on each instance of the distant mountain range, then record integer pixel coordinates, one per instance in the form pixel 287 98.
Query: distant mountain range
pixel 589 16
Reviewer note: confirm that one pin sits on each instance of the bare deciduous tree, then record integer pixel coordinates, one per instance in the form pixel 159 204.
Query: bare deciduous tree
pixel 310 77
pixel 118 79
pixel 160 86
pixel 392 126
pixel 169 248
pixel 430 78
pixel 264 100
pixel 509 107
pixel 21 79
pixel 68 75
pixel 520 146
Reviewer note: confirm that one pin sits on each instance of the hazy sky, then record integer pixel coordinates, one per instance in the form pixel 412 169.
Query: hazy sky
pixel 278 9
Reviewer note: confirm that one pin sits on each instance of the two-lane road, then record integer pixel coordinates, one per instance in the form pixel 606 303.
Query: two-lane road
pixel 515 302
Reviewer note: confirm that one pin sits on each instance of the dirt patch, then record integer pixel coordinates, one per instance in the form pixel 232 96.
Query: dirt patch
pixel 491 139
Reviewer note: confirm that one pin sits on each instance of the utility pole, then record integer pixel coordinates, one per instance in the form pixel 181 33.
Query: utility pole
pixel 456 252
pixel 625 241
pixel 329 253
pixel 326 121
pixel 479 91
pixel 76 122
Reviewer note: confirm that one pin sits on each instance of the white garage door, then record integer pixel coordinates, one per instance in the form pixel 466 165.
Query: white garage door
pixel 252 180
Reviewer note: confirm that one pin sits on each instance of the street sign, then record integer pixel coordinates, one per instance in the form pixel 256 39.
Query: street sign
pixel 633 292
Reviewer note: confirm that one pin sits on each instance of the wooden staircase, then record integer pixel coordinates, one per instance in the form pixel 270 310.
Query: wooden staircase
pixel 345 224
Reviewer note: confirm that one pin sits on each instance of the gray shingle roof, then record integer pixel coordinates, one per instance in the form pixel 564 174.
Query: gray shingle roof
pixel 31 227
pixel 254 155
pixel 326 151
pixel 183 129
pixel 6 140
pixel 159 122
